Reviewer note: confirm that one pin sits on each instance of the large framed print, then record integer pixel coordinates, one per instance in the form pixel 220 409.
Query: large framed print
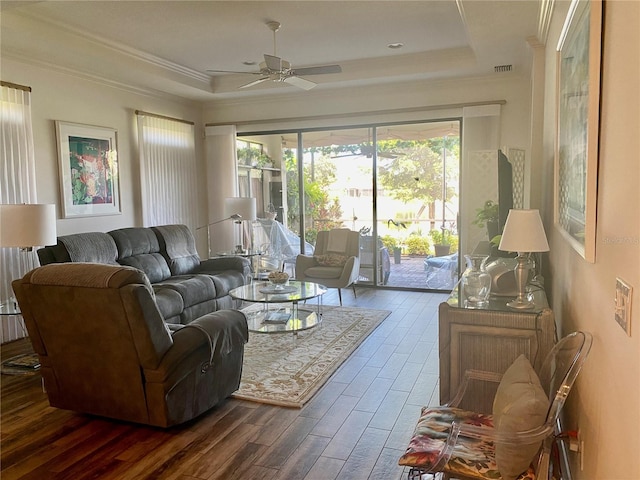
pixel 578 114
pixel 88 160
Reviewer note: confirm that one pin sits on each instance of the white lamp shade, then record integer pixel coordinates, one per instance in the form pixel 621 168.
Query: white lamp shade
pixel 524 232
pixel 27 225
pixel 243 206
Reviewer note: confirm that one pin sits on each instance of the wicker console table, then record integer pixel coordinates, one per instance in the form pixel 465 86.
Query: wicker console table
pixel 489 339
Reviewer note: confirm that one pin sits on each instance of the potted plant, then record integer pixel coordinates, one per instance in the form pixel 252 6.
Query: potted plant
pixel 441 241
pixel 397 248
pixel 489 216
pixel 263 160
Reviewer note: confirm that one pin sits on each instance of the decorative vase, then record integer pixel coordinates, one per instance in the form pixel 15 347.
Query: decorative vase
pixel 476 282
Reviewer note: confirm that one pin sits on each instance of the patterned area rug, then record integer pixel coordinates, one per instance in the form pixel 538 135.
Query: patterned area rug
pixel 281 369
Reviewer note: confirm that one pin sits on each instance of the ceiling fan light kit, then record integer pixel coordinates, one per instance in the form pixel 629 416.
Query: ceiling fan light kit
pixel 276 69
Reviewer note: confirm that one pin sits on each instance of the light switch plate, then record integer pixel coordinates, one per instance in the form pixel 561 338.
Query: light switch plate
pixel 623 305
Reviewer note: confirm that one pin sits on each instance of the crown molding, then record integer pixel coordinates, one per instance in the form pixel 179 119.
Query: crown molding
pixel 83 75
pixel 117 47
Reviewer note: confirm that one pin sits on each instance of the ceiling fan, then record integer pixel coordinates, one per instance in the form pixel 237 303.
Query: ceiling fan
pixel 276 69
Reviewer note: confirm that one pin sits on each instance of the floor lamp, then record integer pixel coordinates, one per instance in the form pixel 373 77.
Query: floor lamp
pixel 523 233
pixel 246 208
pixel 24 226
pixel 234 216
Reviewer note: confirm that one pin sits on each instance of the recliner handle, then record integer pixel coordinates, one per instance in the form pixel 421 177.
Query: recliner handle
pixel 205 366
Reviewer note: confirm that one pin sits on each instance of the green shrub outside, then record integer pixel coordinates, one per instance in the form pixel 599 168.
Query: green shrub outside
pixel 310 235
pixel 417 245
pixel 454 244
pixel 389 242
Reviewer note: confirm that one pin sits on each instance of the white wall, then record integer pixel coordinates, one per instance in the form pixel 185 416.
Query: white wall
pixel 605 404
pixel 57 96
pixel 295 107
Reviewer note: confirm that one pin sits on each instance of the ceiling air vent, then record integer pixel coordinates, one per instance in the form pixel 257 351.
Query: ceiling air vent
pixel 502 68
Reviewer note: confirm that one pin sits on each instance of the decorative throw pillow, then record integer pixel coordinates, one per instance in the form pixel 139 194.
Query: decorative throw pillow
pixel 520 404
pixel 331 260
pixel 469 455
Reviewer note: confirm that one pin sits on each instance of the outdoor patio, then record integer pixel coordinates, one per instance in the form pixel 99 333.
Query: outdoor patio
pixel 409 273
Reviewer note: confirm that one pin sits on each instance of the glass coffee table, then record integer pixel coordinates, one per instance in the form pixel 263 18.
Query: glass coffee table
pixel 276 310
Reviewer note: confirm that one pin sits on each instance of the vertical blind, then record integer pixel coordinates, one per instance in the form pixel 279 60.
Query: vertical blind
pixel 167 171
pixel 17 185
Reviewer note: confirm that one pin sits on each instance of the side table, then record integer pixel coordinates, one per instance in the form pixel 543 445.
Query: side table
pixel 24 364
pixel 489 339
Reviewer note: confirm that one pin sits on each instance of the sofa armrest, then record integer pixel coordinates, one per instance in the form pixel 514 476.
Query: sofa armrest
pixel 215 265
pixel 192 348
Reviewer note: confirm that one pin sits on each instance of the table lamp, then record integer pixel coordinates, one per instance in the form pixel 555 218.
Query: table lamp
pixel 523 233
pixel 27 225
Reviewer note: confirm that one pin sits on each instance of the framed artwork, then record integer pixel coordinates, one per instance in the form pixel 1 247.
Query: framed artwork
pixel 88 160
pixel 578 112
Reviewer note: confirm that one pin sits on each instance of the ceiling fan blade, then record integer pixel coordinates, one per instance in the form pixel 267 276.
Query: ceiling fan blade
pixel 233 71
pixel 273 63
pixel 300 82
pixel 255 82
pixel 319 70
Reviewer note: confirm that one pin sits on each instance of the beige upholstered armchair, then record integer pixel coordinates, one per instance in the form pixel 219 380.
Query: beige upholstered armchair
pixel 105 349
pixel 335 262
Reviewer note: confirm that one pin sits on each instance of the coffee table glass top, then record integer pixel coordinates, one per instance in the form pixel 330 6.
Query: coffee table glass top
pixel 276 310
pixel 264 292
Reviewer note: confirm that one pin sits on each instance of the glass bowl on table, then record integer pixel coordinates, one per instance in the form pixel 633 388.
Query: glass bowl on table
pixel 278 280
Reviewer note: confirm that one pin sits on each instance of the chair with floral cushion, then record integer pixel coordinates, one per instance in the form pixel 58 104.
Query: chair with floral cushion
pixel 335 262
pixel 513 443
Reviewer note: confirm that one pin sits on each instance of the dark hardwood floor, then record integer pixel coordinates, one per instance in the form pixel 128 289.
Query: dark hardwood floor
pixel 356 427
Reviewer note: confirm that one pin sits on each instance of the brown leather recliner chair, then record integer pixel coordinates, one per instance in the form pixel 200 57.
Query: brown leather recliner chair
pixel 105 349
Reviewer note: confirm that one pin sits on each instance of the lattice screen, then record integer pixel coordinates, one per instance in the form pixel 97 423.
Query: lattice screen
pixel 516 157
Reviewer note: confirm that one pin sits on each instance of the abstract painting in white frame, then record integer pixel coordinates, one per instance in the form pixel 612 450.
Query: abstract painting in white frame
pixel 88 160
pixel 578 113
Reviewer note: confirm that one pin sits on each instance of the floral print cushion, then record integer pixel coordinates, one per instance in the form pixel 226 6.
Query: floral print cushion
pixel 471 457
pixel 331 260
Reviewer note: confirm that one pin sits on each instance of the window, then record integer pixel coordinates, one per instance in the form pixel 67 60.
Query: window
pixel 167 171
pixel 17 185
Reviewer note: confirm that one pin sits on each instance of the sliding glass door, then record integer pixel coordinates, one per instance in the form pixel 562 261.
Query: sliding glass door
pixel 396 184
pixel 417 196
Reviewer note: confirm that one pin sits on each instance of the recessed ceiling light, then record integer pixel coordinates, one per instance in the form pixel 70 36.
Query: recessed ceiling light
pixel 249 63
pixel 395 45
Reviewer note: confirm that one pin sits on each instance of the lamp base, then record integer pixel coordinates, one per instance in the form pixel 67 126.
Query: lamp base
pixel 520 304
pixel 521 272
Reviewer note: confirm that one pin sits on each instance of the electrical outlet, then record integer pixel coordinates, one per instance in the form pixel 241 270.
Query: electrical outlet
pixel 623 305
